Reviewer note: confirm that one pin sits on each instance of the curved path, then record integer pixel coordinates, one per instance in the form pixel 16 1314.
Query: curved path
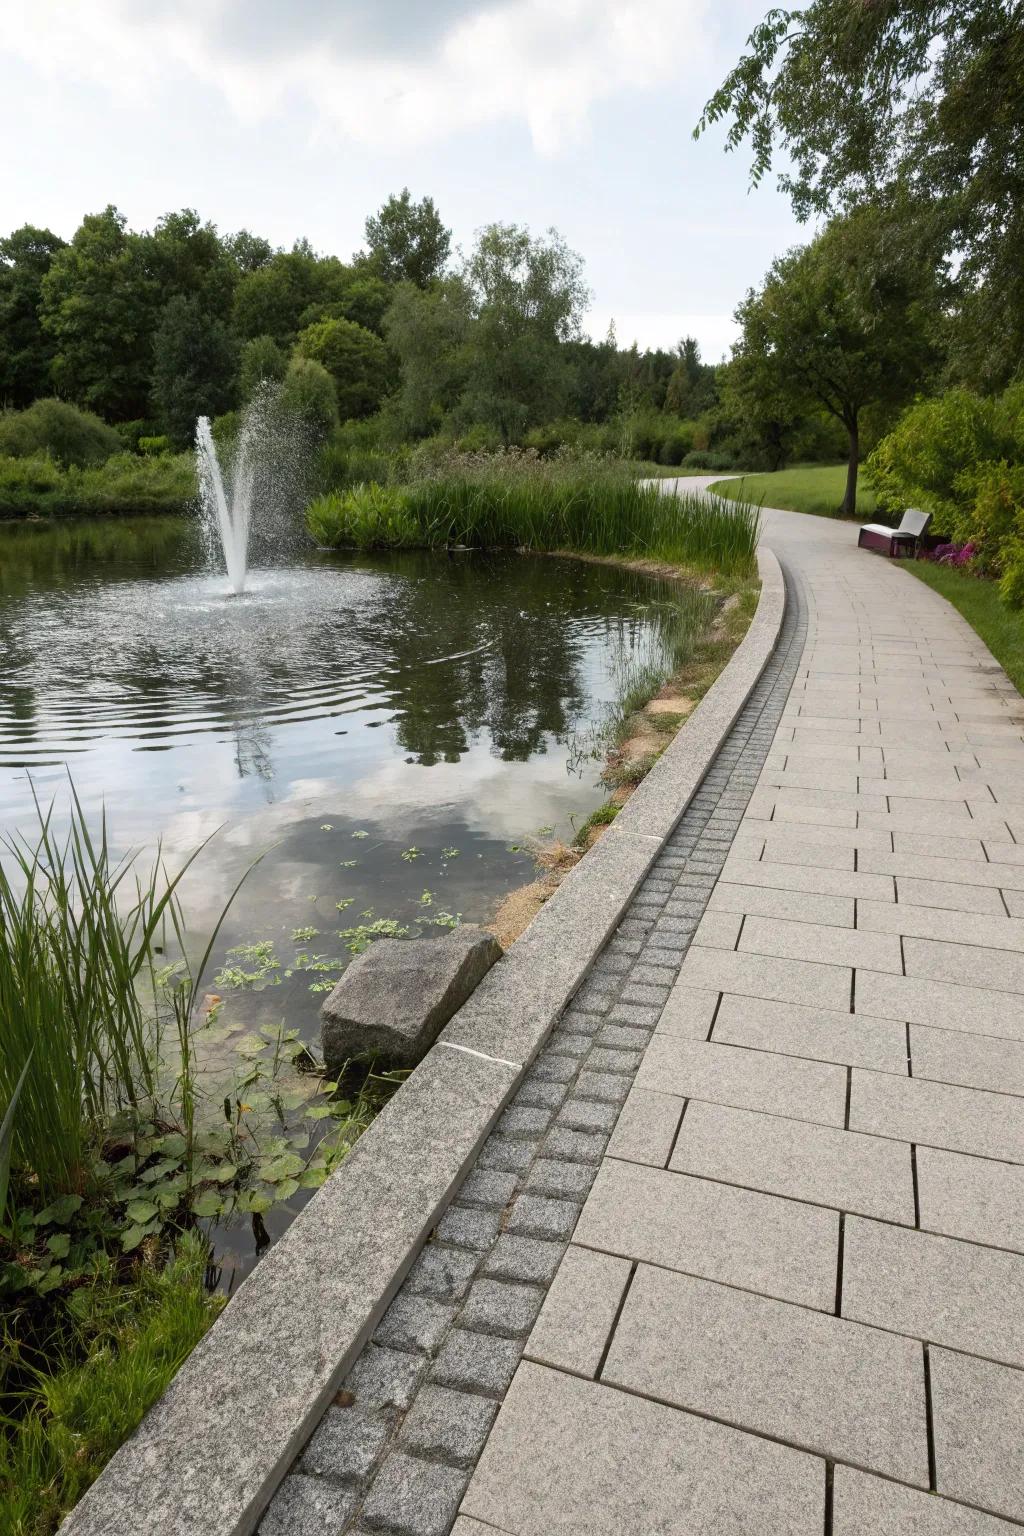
pixel 782 1125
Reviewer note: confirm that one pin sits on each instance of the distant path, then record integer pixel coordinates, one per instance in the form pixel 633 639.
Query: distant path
pixel 783 1125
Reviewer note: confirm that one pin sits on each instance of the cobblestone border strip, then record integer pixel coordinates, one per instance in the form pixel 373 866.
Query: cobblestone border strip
pixel 211 1452
pixel 395 1451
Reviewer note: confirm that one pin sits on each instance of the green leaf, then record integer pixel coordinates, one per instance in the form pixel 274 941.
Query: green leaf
pixel 284 1167
pixel 207 1203
pixel 286 1189
pixel 50 1280
pixel 132 1236
pixel 312 1178
pixel 59 1211
pixel 141 1211
pixel 59 1245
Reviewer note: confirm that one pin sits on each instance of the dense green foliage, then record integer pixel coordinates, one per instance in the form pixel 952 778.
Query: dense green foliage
pixel 815 488
pixel 69 436
pixel 917 107
pixel 127 482
pixel 515 501
pixel 961 457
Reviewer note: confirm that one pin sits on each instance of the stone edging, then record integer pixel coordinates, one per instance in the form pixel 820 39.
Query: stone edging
pixel 209 1455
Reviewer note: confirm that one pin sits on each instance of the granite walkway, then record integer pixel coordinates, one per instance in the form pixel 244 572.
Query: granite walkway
pixel 747 1253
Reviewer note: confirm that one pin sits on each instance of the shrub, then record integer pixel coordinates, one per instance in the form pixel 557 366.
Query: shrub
pixel 261 361
pixel 67 434
pixel 308 392
pixel 125 483
pixel 356 360
pixel 153 445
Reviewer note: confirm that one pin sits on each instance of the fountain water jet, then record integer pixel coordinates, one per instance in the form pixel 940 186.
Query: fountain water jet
pixel 227 516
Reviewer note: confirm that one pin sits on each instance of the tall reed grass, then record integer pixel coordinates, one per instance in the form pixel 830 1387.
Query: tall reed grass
pixel 589 508
pixel 83 1005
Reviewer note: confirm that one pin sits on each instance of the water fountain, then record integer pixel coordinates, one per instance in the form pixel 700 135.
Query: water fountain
pixel 227 515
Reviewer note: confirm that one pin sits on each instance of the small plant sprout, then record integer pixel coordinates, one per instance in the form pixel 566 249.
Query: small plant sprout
pixel 408 854
pixel 303 935
pixel 449 853
pixel 348 863
pixel 346 901
pixel 544 831
pixel 427 899
pixel 360 834
pixel 327 826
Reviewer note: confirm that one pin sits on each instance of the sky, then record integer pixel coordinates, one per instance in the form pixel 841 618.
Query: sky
pixel 299 117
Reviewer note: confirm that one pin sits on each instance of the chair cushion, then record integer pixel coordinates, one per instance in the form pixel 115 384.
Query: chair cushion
pixel 881 528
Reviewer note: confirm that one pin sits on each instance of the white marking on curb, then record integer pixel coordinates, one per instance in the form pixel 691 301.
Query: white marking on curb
pixel 482 1056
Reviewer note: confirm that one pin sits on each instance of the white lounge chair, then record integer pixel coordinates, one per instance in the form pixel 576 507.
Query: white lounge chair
pixel 893 541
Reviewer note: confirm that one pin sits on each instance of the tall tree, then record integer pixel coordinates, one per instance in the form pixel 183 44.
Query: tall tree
pixel 842 324
pixel 356 359
pixel 529 296
pixel 99 305
pixel 194 363
pixel 918 103
pixel 426 330
pixel 408 242
pixel 26 352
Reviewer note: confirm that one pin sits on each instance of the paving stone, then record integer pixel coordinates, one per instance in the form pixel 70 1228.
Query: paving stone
pixel 581 1114
pixel 646 1127
pixel 798 906
pixel 784 981
pixel 756 1241
pixel 613 1060
pixel 817 1382
pixel 977 1410
pixel 969 964
pixel 477 1362
pixel 810 941
pixel 634 1013
pixel 502 1307
pixel 344 1446
pixel 541 1216
pixel 416 1323
pixel 726 1074
pixel 957 871
pixel 469 1227
pixel 946 894
pixel 554 1069
pixel 575 1146
pixel 579 1311
pixel 818 1033
pixel 383 1380
pixel 537 1094
pixel 623 1037
pixel 570 1181
pixel 971 1198
pixel 960 928
pixel 869 1506
pixel 689 1012
pixel 307 1506
pixel 938 1114
pixel 569 1043
pixel 803 1162
pixel 448 1426
pixel 974 1061
pixel 934 1288
pixel 633 1466
pixel 739 870
pixel 410 1497
pixel 917 1000
pixel 486 1186
pixel 719 930
pixel 442 1272
pixel 523 1258
pixel 652 997
pixel 524 1124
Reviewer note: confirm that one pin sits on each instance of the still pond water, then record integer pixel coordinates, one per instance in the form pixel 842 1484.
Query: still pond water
pixel 387 732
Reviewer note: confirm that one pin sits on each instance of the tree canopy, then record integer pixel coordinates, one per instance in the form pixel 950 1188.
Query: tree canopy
pixel 408 242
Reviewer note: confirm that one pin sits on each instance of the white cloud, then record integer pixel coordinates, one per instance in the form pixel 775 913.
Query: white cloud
pixel 546 63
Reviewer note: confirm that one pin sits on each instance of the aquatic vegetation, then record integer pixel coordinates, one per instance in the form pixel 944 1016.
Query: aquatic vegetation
pixel 411 853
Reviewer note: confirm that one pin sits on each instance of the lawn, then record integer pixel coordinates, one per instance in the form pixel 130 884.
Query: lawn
pixel 816 488
pixel 1001 628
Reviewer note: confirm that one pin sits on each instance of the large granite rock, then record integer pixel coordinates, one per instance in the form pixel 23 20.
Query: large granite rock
pixel 395 999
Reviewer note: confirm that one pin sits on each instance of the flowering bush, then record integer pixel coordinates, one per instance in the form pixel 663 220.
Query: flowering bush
pixel 957 555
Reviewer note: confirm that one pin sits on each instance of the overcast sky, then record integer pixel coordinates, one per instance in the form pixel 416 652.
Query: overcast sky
pixel 299 117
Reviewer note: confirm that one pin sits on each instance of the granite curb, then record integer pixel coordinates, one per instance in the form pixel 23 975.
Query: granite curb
pixel 210 1454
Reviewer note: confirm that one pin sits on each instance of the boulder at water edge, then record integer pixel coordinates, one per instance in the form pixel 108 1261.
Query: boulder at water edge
pixel 394 1000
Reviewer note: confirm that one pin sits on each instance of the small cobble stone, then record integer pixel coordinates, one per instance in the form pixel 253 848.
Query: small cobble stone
pixel 442 1272
pixel 554 1069
pixel 569 1045
pixel 477 1362
pixel 647 974
pixel 541 1216
pixel 345 1446
pixel 382 1380
pixel 502 1153
pixel 486 1186
pixel 606 1087
pixel 570 1181
pixel 575 1146
pixel 448 1426
pixel 307 1506
pixel 588 1115
pixel 634 1013
pixel 537 1094
pixel 613 1060
pixel 416 1323
pixel 410 1497
pixel 523 1258
pixel 623 1037
pixel 523 1124
pixel 469 1227
pixel 502 1307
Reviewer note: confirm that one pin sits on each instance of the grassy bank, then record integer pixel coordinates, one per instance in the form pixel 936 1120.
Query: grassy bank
pixel 589 508
pixel 1001 628
pixel 126 483
pixel 814 488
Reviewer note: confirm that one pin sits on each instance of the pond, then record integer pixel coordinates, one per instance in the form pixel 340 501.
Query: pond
pixel 387 734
